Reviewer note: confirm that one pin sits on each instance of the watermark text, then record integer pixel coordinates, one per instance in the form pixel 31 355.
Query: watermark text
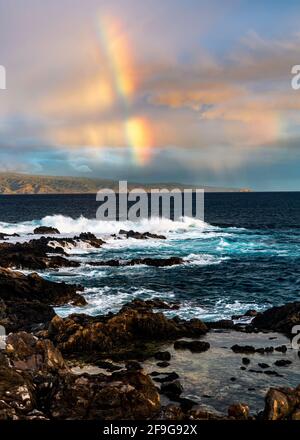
pixel 137 203
pixel 2 78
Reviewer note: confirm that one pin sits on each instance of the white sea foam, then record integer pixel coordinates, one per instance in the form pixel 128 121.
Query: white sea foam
pixel 68 225
pixel 104 300
pixel 78 247
pixel 222 309
pixel 132 243
pixel 203 259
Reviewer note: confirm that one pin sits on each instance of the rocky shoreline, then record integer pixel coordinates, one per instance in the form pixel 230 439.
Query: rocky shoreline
pixel 44 366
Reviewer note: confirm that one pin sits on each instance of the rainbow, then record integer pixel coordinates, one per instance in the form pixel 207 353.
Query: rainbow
pixel 137 130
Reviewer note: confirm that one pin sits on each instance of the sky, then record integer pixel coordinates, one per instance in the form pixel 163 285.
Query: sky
pixel 152 91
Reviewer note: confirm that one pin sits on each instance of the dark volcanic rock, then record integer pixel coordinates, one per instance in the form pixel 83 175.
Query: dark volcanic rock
pixel 17 394
pixel 239 411
pixel 133 366
pixel 90 239
pixel 282 363
pixel 252 370
pixel 243 348
pixel 282 404
pixel 35 383
pixel 140 235
pixel 193 346
pixel 279 319
pixel 163 355
pixel 281 348
pixel 155 262
pixel 26 300
pixel 122 396
pixel 163 364
pixel 222 324
pixel 24 315
pixel 15 286
pixel 172 388
pixel 263 365
pixel 150 304
pixel 40 389
pixel 119 334
pixel 250 349
pixel 46 230
pixel 106 365
pixel 171 412
pixel 28 353
pixel 34 254
pixel 203 414
pixel 4 236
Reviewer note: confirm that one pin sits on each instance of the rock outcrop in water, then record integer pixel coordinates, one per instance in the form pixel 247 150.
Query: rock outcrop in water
pixel 36 254
pixel 45 230
pixel 5 236
pixel 27 300
pixel 141 235
pixel 279 319
pixel 154 262
pixel 120 335
pixel 15 286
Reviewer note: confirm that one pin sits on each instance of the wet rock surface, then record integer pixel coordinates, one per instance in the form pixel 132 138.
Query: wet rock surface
pixel 119 335
pixel 46 230
pixel 155 262
pixel 17 394
pixel 193 346
pixel 141 235
pixel 27 300
pixel 282 404
pixel 221 324
pixel 124 395
pixel 36 384
pixel 28 353
pixel 251 350
pixel 5 236
pixel 239 411
pixel 35 254
pixel 15 286
pixel 280 319
pixel 24 315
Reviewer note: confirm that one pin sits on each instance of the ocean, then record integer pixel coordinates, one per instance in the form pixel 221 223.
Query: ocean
pixel 245 255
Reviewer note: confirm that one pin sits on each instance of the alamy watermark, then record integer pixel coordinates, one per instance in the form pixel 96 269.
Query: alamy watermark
pixel 295 339
pixel 137 203
pixel 2 337
pixel 296 78
pixel 2 78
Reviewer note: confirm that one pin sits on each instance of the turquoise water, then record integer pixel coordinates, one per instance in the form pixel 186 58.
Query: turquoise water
pixel 246 254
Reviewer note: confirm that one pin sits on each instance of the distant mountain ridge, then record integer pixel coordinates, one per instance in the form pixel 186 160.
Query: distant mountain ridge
pixel 17 183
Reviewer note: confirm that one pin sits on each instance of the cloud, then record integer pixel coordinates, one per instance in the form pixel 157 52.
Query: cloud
pixel 198 102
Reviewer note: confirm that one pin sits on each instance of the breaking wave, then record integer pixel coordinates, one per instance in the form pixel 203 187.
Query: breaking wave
pixel 68 225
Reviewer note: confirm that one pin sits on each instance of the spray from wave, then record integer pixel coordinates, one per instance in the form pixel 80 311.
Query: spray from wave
pixel 68 225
